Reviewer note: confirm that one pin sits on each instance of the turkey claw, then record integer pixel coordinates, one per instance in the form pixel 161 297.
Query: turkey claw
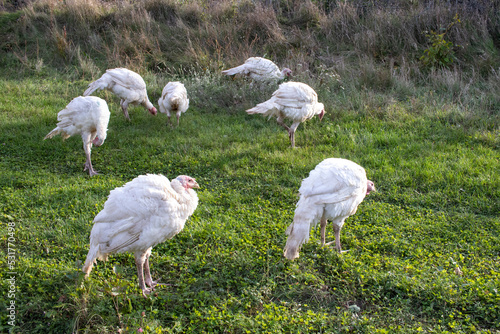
pixel 91 170
pixel 339 250
pixel 152 284
pixel 145 292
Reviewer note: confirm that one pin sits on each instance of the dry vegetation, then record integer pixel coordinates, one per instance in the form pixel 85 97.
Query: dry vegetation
pixel 161 34
pixel 371 45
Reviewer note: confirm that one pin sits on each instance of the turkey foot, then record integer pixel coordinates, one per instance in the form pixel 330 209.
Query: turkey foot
pixel 339 250
pixel 145 292
pixel 147 279
pixel 152 284
pixel 92 171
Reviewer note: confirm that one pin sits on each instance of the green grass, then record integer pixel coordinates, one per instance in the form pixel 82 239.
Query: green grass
pixel 437 207
pixel 428 137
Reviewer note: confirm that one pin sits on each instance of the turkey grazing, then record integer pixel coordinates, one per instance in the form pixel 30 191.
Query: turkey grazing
pixel 88 117
pixel 333 190
pixel 293 100
pixel 173 99
pixel 143 213
pixel 127 85
pixel 260 69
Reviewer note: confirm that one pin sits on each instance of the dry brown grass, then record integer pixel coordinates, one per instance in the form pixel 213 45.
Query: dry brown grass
pixel 369 45
pixel 215 33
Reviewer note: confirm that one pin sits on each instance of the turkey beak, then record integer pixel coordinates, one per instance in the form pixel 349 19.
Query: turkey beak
pixel 321 114
pixel 153 111
pixel 96 142
pixel 196 185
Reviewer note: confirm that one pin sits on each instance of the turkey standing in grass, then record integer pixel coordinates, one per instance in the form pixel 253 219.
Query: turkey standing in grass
pixel 333 190
pixel 173 99
pixel 87 116
pixel 143 213
pixel 293 100
pixel 260 69
pixel 127 85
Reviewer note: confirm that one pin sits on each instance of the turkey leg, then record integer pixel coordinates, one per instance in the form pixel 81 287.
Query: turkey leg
pixel 337 229
pixel 291 130
pixel 323 230
pixel 149 281
pixel 291 133
pixel 124 106
pixel 140 260
pixel 87 146
pixel 280 122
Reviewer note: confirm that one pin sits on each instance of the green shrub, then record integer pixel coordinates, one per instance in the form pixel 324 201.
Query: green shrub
pixel 440 53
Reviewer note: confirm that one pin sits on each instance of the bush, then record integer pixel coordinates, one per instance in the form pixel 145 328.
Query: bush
pixel 440 53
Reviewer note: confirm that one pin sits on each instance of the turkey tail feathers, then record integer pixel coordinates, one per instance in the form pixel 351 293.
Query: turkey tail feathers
pixel 233 71
pixel 298 234
pixel 175 102
pixel 91 259
pixel 52 133
pixel 306 214
pixel 262 108
pixel 93 86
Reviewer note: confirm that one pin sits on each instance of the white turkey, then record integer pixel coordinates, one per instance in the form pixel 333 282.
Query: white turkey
pixel 87 116
pixel 333 190
pixel 143 213
pixel 260 69
pixel 127 85
pixel 292 100
pixel 173 99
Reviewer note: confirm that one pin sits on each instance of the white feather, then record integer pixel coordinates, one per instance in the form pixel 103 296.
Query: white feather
pixel 144 212
pixel 333 191
pixel 127 85
pixel 292 100
pixel 173 99
pixel 259 69
pixel 85 116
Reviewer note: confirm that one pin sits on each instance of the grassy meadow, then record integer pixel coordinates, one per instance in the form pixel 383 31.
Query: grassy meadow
pixel 424 249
